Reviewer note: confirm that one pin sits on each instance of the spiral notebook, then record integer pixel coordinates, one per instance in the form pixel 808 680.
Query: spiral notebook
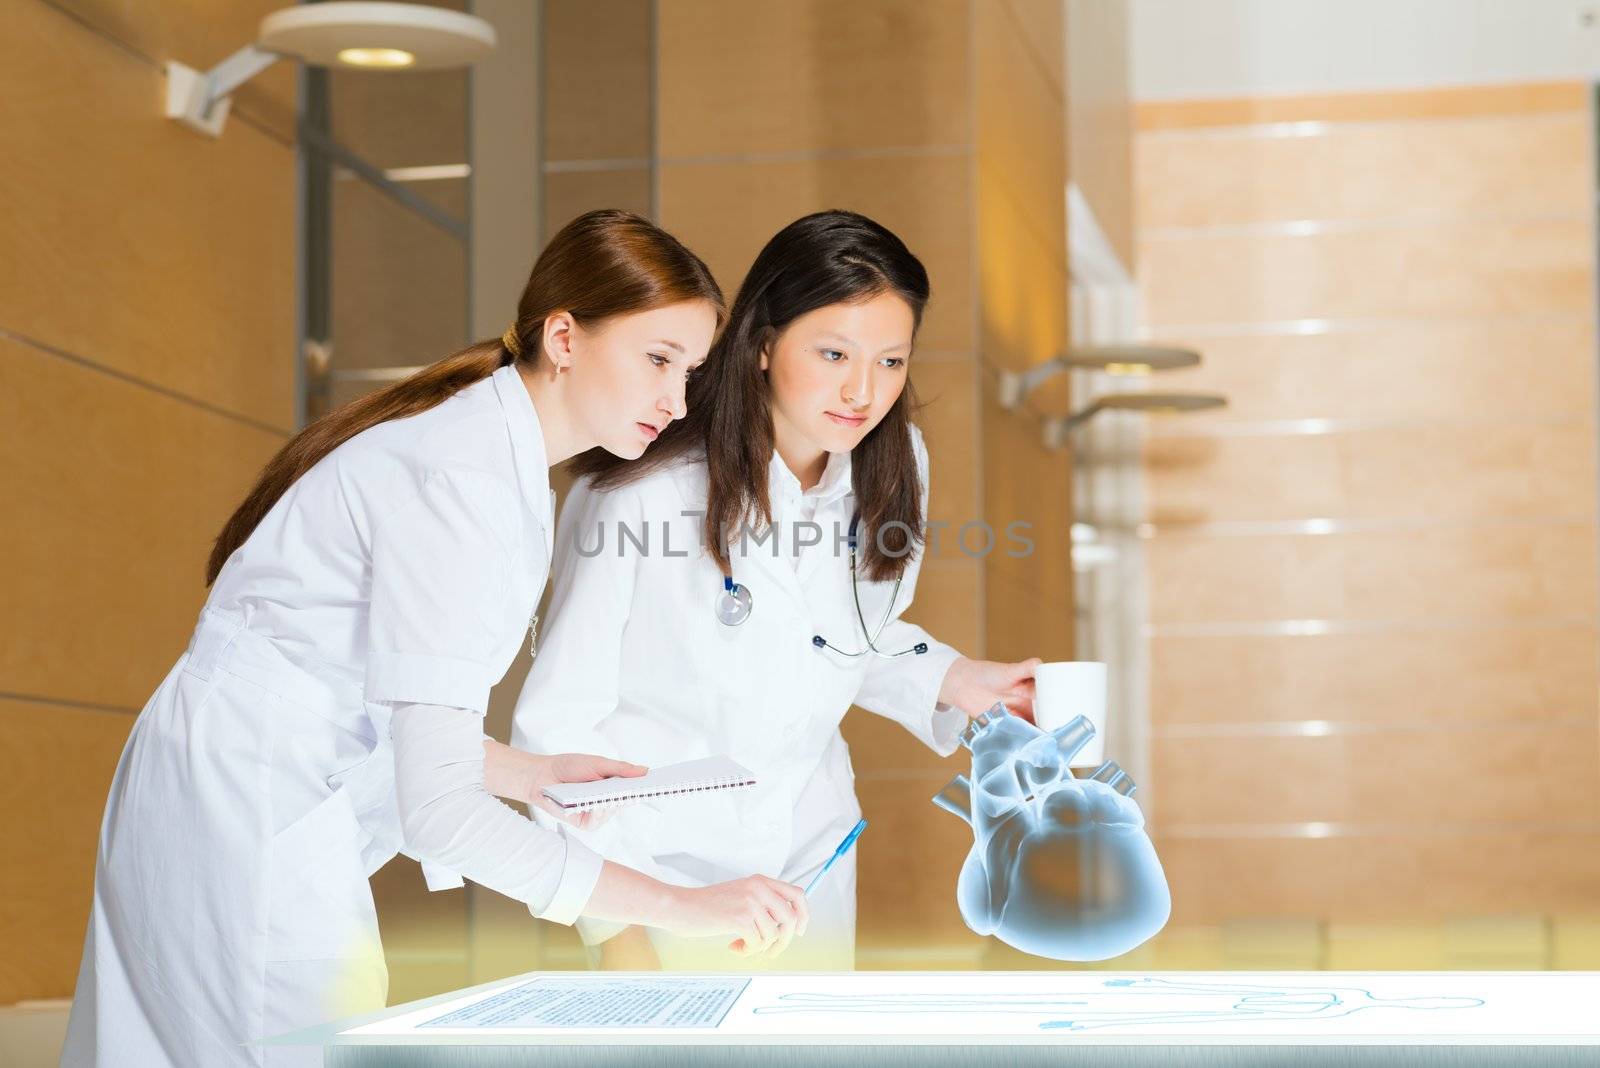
pixel 669 780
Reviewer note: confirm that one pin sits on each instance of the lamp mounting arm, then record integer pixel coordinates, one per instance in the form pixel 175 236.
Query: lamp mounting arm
pixel 1016 385
pixel 201 99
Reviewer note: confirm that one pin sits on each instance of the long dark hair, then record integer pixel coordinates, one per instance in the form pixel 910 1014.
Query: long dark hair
pixel 832 257
pixel 601 264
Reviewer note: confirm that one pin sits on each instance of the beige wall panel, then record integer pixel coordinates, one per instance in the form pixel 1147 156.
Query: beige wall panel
pixel 424 933
pixel 560 947
pixel 949 423
pixel 1483 168
pixel 1029 602
pixel 1022 290
pixel 1491 471
pixel 1100 117
pixel 1029 559
pixel 1438 776
pixel 1186 948
pixel 1386 105
pixel 107 525
pixel 197 33
pixel 1356 879
pixel 341 393
pixel 417 921
pixel 880 746
pixel 1515 571
pixel 409 120
pixel 48 878
pixel 566 196
pixel 909 859
pixel 1526 674
pixel 1041 24
pixel 1021 127
pixel 1575 942
pixel 948 605
pixel 1028 616
pixel 1022 173
pixel 447 194
pixel 401 296
pixel 831 75
pixel 597 64
pixel 401 121
pixel 143 248
pixel 1478 268
pixel 414 978
pixel 726 212
pixel 1384 947
pixel 1434 370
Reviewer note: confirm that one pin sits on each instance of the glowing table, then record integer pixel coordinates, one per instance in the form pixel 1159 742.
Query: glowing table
pixel 973 1019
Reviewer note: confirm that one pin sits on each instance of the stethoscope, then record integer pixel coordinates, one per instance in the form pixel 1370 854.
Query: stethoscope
pixel 734 604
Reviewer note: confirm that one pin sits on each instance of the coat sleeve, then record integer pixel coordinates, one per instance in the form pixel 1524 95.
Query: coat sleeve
pixel 450 819
pixel 906 688
pixel 441 569
pixel 575 680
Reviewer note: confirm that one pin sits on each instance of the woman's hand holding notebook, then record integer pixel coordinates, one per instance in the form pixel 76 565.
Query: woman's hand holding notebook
pixel 669 780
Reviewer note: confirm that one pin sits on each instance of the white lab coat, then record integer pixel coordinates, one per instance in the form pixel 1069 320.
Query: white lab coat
pixel 256 792
pixel 633 663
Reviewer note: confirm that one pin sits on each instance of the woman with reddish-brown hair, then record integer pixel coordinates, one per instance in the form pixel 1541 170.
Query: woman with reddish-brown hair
pixel 327 714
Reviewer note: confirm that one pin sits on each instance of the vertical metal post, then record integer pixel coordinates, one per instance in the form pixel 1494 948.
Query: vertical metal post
pixel 312 393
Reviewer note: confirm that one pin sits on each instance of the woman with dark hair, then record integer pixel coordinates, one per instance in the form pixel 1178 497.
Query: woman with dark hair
pixel 328 712
pixel 740 588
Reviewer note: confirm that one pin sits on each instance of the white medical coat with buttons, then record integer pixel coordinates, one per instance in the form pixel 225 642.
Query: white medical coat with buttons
pixel 632 662
pixel 256 792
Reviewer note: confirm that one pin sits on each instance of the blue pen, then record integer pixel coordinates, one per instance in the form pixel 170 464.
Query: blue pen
pixel 844 847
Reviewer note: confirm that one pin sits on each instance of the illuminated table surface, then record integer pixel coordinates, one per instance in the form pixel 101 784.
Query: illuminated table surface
pixel 980 1018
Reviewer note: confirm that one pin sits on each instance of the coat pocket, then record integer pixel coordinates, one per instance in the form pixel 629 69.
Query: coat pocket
pixel 320 902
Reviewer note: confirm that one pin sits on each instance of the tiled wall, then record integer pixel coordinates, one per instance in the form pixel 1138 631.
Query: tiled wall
pixel 1373 576
pixel 117 315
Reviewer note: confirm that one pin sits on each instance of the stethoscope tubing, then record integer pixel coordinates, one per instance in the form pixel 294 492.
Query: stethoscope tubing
pixel 735 604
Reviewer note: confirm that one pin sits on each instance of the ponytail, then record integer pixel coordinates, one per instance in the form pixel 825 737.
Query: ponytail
pixel 603 263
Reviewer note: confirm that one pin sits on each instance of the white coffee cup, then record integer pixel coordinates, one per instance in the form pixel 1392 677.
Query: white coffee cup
pixel 1067 689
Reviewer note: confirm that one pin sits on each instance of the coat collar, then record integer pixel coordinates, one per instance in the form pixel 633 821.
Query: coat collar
pixel 783 485
pixel 757 567
pixel 690 476
pixel 528 451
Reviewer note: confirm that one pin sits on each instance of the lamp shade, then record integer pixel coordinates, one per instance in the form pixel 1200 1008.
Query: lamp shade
pixel 377 35
pixel 1160 402
pixel 1146 358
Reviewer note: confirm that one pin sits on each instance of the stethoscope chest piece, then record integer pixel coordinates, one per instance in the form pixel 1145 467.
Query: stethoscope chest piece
pixel 733 603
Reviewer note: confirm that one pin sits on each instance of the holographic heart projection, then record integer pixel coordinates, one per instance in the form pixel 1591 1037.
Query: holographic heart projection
pixel 1060 867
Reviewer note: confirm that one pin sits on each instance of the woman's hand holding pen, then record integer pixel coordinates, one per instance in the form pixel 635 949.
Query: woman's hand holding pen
pixel 743 906
pixel 975 685
pixel 764 913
